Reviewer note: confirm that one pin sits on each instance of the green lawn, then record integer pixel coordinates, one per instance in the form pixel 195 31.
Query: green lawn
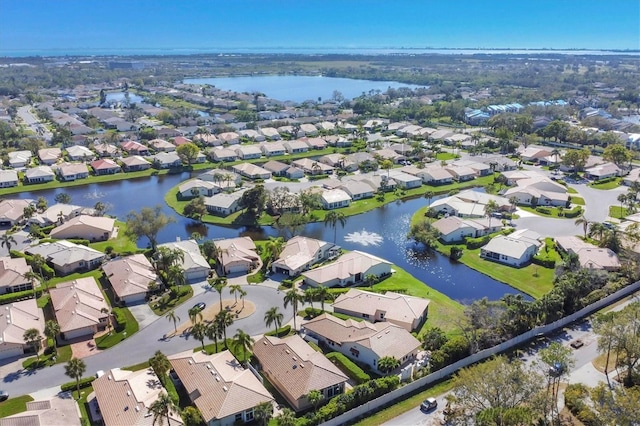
pixel 63 355
pixel 571 190
pixel 444 156
pixel 606 185
pixel 121 244
pixel 618 212
pixel 108 340
pixel 577 200
pixel 166 303
pixel 554 212
pixel 82 403
pixel 14 405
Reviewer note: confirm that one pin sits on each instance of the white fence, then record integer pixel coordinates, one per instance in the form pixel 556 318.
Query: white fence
pixel 423 382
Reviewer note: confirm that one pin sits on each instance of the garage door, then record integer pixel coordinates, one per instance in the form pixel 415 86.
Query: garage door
pixel 78 333
pixel 236 268
pixel 10 352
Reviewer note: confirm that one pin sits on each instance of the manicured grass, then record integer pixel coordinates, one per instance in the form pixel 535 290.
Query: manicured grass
pixel 63 355
pixel 109 340
pixel 618 212
pixel 212 349
pixel 82 403
pixel 607 185
pixel 165 304
pixel 121 244
pixel 137 367
pixel 445 156
pixel 554 212
pixel 95 274
pixel 577 200
pixel 14 405
pixel 571 190
pixel 412 402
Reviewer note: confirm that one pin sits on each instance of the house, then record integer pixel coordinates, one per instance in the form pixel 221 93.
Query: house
pixel 339 161
pixel 540 191
pixel 533 154
pixel 633 176
pixel 223 154
pixel 276 167
pixel 230 138
pixel 12 275
pixel 8 178
pixel 17 318
pixel 130 277
pixel 237 255
pixel 224 178
pixel 315 143
pixel 80 308
pixel 72 171
pixel 166 160
pixel 389 154
pixel 271 149
pixel 480 169
pixel 270 133
pixel 12 211
pixel 405 311
pixel 123 397
pixel 134 148
pixel 589 256
pixel 67 257
pixel 603 171
pixel 161 145
pixel 350 268
pixel 105 166
pixel 195 187
pixel 225 393
pixel 338 141
pixel 357 190
pixel 304 370
pixel 85 227
pixel 135 163
pixel 57 214
pixel 251 171
pixel 294 173
pixel 105 150
pixel 58 410
pixel 223 204
pixel 195 266
pixel 513 176
pixel 515 249
pixel 19 159
pixel 334 199
pixel 461 173
pixel 248 152
pixel 307 129
pixel 454 229
pixel 296 146
pixel 49 156
pixel 301 253
pixel 39 174
pixel 313 167
pixel 362 341
pixel 499 163
pixel 252 134
pixel 79 153
pixel 405 180
pixel 469 203
pixel 435 175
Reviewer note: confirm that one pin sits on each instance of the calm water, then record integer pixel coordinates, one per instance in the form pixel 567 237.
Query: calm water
pixel 299 88
pixel 387 226
pixel 121 97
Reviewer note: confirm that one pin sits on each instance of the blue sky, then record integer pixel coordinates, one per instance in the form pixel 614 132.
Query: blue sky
pixel 112 25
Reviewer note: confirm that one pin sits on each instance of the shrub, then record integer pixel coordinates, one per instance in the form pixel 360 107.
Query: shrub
pixel 543 210
pixel 574 212
pixel 281 332
pixel 121 320
pixel 19 295
pixel 287 283
pixel 348 367
pixel 474 243
pixel 544 261
pixel 71 386
pixel 312 312
pixel 80 242
pixel 318 177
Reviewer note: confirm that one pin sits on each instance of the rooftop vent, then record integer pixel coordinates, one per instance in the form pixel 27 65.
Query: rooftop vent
pixel 128 393
pixel 224 388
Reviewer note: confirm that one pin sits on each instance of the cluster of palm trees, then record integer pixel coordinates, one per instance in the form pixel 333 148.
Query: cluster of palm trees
pixel 606 235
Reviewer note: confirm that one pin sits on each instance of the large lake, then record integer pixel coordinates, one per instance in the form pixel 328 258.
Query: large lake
pixel 381 232
pixel 299 88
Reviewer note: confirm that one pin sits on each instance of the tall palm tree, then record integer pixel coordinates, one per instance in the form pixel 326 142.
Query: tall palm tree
pixel 622 198
pixel 7 240
pixel 263 413
pixel 51 330
pixel 33 278
pixel 429 196
pixel 243 293
pixel 225 319
pixel 322 293
pixel 218 284
pixel 235 290
pixel 195 314
pixel 38 262
pixel 274 247
pixel 490 208
pixel 273 316
pixel 214 332
pixel 597 229
pixel 171 316
pixel 162 408
pixel 75 368
pixel 175 276
pixel 33 338
pixel 243 341
pixel 585 224
pixel 310 295
pixel 160 365
pixel 334 218
pixel 199 332
pixel 293 298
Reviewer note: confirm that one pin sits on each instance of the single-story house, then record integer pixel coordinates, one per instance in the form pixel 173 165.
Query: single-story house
pixel 196 187
pixel 248 152
pixel 134 163
pixel 633 176
pixel 223 204
pixel 58 213
pixel 294 173
pixel 161 145
pixel 357 190
pixel 305 370
pixel 12 211
pixel 39 174
pixel 12 275
pixel 57 410
pixel 251 171
pixel 300 253
pixel 436 175
pixel 461 173
pixel 72 171
pixel 134 148
pixel 230 138
pixel 315 143
pixel 130 277
pixel 8 178
pixel 295 146
pixel 84 227
pixel 313 167
pixel 589 256
pixel 252 134
pixel 307 129
pixel 515 249
pixel 350 268
pixel 453 228
pixel 270 133
pixel 195 266
pixel 339 161
pixel 334 199
pixel 49 156
pixel 362 341
pixel 67 257
pixel 481 169
pixel 405 311
pixel 105 150
pixel 533 154
pixel 603 171
pixel 19 159
pixel 79 153
pixel 105 166
pixel 223 154
pixel 225 393
pixel 237 255
pixel 276 167
pixel 221 176
pixel 166 160
pixel 405 180
pixel 80 308
pixel 271 149
pixel 17 318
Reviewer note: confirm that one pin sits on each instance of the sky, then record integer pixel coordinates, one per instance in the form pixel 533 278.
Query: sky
pixel 113 26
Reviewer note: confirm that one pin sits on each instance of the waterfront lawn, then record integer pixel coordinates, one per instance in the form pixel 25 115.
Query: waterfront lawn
pixel 15 405
pixel 122 244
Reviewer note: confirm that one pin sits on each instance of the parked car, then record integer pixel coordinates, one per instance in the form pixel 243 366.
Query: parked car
pixel 428 404
pixel 199 306
pixel 4 395
pixel 578 343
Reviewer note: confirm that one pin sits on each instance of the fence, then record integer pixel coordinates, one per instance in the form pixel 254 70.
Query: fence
pixel 447 371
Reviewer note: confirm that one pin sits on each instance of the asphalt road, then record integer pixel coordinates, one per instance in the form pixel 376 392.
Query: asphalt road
pixel 24 112
pixel 142 345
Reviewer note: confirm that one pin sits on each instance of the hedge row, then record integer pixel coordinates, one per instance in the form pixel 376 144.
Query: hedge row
pixel 474 243
pixel 544 261
pixel 281 332
pixel 349 367
pixel 71 386
pixel 17 296
pixel 47 270
pixel 574 212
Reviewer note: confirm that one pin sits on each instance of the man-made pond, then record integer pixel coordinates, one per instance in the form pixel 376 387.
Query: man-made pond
pixel 381 232
pixel 299 88
pixel 122 97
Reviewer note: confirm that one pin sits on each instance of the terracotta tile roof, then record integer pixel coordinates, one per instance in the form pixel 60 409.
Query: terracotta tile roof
pixel 299 251
pixel 18 317
pixel 12 271
pixel 217 384
pixel 130 275
pixel 295 367
pixel 53 412
pixel 78 304
pixel 346 266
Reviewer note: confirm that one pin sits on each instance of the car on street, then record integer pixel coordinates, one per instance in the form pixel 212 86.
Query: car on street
pixel 199 306
pixel 4 395
pixel 578 343
pixel 428 404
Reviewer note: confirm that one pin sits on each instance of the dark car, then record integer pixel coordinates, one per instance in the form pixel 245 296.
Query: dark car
pixel 4 395
pixel 199 306
pixel 428 404
pixel 577 344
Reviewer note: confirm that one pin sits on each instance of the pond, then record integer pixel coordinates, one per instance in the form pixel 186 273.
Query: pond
pixel 299 88
pixel 381 232
pixel 122 96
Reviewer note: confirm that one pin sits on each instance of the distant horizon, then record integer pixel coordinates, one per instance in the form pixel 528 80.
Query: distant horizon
pixel 87 26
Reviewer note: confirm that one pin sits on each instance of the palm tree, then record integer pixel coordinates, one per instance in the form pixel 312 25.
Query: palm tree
pixel 294 298
pixel 388 363
pixel 51 330
pixel 429 196
pixel 176 276
pixel 33 338
pixel 622 198
pixel 243 341
pixel 273 316
pixel 38 262
pixel 274 247
pixel 310 295
pixel 597 229
pixel 195 313
pixel 171 316
pixel 555 153
pixel 32 277
pixel 7 240
pixel 214 332
pixel 160 365
pixel 199 332
pixel 161 409
pixel 334 218
pixel 323 295
pixel 235 289
pixel 218 284
pixel 490 208
pixel 225 319
pixel 242 295
pixel 370 279
pixel 287 417
pixel 585 224
pixel 315 397
pixel 75 368
pixel 263 413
